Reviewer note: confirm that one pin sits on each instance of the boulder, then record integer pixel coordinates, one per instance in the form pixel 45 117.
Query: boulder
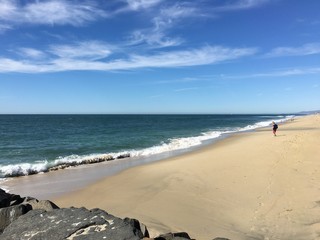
pixel 85 161
pixel 13 206
pixel 40 204
pixel 138 225
pixel 7 199
pixel 125 155
pixel 10 214
pixel 174 236
pixel 73 223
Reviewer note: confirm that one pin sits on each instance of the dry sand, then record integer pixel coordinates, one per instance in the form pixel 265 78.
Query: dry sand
pixel 249 186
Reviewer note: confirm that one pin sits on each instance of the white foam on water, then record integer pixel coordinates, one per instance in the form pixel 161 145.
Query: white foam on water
pixel 22 169
pixel 176 144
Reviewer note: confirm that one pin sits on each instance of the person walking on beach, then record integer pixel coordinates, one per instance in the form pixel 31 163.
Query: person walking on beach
pixel 274 128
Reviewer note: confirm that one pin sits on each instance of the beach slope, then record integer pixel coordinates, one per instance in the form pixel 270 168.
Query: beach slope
pixel 248 186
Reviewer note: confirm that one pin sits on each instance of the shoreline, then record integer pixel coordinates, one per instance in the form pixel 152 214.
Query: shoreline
pixel 247 186
pixel 53 184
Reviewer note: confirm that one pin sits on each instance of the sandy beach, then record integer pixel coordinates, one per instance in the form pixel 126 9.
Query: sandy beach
pixel 248 186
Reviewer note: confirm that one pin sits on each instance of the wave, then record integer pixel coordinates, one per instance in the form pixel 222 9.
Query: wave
pixel 173 144
pixel 23 169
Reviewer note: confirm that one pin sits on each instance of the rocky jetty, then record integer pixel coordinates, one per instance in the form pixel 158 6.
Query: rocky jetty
pixel 30 219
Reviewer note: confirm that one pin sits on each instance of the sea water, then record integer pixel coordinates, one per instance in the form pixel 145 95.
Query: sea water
pixel 32 144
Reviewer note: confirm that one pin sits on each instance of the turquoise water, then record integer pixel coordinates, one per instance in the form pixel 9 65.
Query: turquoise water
pixel 34 143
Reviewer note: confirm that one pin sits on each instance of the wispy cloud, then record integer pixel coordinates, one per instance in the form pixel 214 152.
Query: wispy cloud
pixel 167 16
pixel 154 38
pixel 7 8
pixel 157 96
pixel 52 12
pixel 31 53
pixel 237 5
pixel 136 5
pixel 194 57
pixel 164 20
pixel 186 89
pixel 92 56
pixel 89 50
pixel 306 49
pixel 4 27
pixel 279 73
pixel 304 21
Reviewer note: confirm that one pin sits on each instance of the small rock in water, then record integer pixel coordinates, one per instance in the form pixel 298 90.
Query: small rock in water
pixel 126 155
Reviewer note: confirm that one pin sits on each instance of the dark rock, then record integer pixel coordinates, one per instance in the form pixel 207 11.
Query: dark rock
pixel 125 155
pixel 173 236
pixel 13 206
pixel 72 223
pixel 85 161
pixel 7 199
pixel 40 204
pixel 137 225
pixel 10 214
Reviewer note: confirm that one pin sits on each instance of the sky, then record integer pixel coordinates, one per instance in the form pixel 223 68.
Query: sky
pixel 159 56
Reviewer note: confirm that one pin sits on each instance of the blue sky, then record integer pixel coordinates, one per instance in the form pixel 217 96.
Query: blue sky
pixel 159 56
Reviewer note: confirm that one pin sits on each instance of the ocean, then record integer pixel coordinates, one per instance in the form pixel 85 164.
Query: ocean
pixel 32 144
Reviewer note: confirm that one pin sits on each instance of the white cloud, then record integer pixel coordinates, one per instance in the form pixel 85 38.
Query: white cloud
pixel 177 11
pixel 202 56
pixel 154 38
pixel 241 5
pixel 165 19
pixel 7 8
pixel 168 16
pixel 31 53
pixel 90 50
pixel 89 60
pixel 87 51
pixel 60 12
pixel 137 5
pixel 4 28
pixel 10 65
pixel 280 73
pixel 306 49
pixel 186 89
pixel 142 4
pixel 157 96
